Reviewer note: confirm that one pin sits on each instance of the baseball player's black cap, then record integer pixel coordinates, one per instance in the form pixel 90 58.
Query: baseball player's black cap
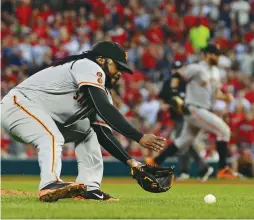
pixel 211 48
pixel 177 64
pixel 114 51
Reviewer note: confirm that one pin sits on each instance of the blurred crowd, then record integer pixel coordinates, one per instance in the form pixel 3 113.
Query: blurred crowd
pixel 155 33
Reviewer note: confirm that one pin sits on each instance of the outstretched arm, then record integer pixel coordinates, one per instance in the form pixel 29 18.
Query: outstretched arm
pixel 116 120
pixel 108 141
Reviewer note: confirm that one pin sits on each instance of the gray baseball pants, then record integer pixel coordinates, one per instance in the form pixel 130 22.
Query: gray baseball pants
pixel 200 118
pixel 30 123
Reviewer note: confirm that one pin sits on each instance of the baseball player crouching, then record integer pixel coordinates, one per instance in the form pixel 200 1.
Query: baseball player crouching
pixel 53 107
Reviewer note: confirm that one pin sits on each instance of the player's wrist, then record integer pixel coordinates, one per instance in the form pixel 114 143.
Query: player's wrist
pixel 139 137
pixel 133 163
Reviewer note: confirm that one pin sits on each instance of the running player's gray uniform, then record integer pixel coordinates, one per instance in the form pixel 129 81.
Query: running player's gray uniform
pixel 47 110
pixel 202 84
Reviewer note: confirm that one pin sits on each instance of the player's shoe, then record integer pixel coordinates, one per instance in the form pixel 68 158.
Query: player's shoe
pixel 205 174
pixel 183 176
pixel 60 190
pixel 150 161
pixel 96 195
pixel 226 173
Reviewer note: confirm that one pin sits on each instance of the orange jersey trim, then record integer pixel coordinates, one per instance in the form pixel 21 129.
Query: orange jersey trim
pixel 91 84
pixel 98 122
pixel 101 122
pixel 44 126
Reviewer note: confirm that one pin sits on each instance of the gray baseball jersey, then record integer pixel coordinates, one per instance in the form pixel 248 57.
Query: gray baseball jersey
pixel 202 83
pixel 56 89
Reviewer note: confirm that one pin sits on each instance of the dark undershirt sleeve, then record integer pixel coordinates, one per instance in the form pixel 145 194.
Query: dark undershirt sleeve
pixel 110 114
pixel 164 93
pixel 108 141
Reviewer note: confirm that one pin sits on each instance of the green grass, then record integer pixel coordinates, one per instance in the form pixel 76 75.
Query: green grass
pixel 182 201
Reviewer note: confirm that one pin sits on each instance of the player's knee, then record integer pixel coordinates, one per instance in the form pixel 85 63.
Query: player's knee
pixel 59 139
pixel 51 140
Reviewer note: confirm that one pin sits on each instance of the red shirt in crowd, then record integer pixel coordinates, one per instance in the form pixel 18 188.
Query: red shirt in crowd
pixel 235 83
pixel 148 61
pixel 189 21
pixel 250 96
pixel 135 153
pixel 119 36
pixel 155 34
pixel 249 36
pixel 188 48
pixel 236 120
pixel 180 56
pixel 40 30
pixel 24 14
pixel 222 43
pixel 98 6
pixel 246 131
pixel 93 25
pixel 164 118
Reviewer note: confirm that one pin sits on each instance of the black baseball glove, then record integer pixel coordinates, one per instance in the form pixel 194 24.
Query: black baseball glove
pixel 153 179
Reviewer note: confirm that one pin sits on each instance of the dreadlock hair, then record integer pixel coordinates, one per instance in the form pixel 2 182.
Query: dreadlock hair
pixel 91 55
pixel 87 54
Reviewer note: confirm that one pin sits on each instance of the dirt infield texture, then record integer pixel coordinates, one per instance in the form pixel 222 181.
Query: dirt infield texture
pixel 10 192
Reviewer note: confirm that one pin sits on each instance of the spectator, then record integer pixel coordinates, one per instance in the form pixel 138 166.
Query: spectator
pixel 248 62
pixel 40 52
pixel 199 35
pixel 240 11
pixel 24 12
pixel 240 102
pixel 149 110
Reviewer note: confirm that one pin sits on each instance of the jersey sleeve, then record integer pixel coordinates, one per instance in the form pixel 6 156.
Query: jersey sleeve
pixel 88 73
pixel 190 71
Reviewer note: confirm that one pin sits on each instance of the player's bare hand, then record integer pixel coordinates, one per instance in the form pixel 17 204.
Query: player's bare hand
pixel 153 142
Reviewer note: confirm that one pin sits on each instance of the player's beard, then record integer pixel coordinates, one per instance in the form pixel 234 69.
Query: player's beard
pixel 110 81
pixel 214 61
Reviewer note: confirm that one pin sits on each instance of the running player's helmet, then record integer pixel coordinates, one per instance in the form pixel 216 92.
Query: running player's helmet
pixel 114 51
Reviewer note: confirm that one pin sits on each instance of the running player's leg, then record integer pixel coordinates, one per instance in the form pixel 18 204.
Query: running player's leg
pixel 27 121
pixel 212 123
pixel 88 153
pixel 185 139
pixel 183 158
